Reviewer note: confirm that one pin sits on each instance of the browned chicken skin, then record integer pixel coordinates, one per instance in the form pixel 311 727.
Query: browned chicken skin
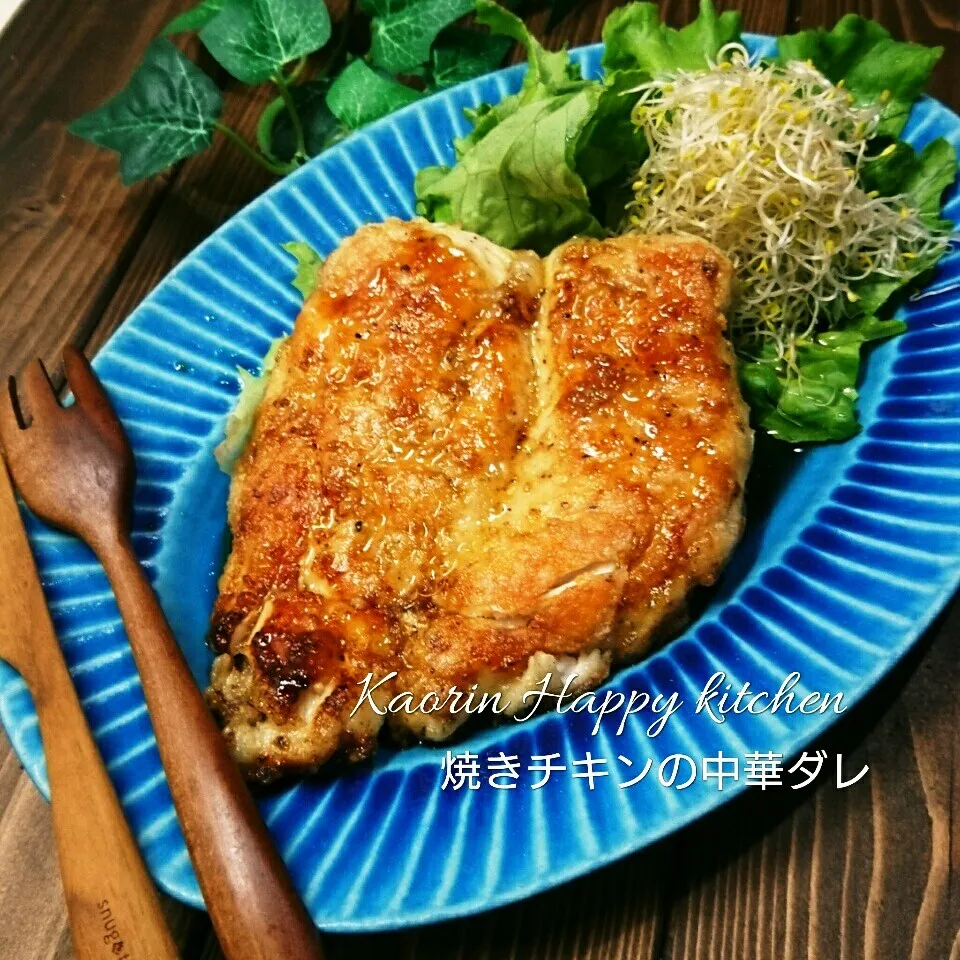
pixel 473 467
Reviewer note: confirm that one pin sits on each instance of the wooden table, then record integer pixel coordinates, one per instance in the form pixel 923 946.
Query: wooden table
pixel 872 871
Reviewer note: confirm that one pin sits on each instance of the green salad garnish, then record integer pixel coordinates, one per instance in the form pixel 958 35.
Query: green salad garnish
pixel 790 167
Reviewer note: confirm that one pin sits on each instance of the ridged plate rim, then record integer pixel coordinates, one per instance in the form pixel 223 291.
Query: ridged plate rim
pixel 321 826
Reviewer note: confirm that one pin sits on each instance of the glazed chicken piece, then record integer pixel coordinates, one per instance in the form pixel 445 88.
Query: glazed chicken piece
pixel 402 390
pixel 626 492
pixel 472 467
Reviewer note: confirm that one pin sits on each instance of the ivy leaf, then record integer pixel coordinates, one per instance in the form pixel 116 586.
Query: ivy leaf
pixel 195 19
pixel 402 39
pixel 461 54
pixel 165 113
pixel 308 265
pixel 360 95
pixel 382 8
pixel 253 39
pixel 321 129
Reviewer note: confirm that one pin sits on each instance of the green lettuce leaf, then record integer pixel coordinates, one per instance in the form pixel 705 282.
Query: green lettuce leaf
pixel 875 68
pixel 522 173
pixel 548 73
pixel 253 39
pixel 817 401
pixel 921 179
pixel 635 39
pixel 240 419
pixel 308 266
pixel 361 95
pixel 166 112
pixel 518 186
pixel 611 145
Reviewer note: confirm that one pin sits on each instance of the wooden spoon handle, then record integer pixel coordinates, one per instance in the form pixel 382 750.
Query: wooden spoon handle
pixel 111 901
pixel 252 902
pixel 110 897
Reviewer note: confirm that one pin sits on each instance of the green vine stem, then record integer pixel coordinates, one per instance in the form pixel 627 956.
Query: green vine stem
pixel 278 169
pixel 301 152
pixel 265 126
pixel 297 70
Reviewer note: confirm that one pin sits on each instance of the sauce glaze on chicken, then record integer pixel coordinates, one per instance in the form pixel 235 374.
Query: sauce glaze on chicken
pixel 473 466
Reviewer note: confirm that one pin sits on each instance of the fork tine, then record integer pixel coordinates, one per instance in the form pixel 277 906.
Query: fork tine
pixel 86 386
pixel 10 419
pixel 37 396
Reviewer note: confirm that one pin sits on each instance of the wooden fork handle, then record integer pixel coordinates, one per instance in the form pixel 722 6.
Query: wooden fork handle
pixel 111 901
pixel 255 909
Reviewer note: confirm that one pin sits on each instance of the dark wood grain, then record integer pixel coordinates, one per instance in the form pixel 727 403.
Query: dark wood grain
pixel 868 872
pixel 865 873
pixel 68 228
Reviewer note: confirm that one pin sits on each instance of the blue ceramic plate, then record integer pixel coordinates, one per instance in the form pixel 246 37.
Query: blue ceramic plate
pixel 850 552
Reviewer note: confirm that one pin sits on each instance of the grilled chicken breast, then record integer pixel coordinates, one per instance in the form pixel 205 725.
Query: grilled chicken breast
pixel 473 467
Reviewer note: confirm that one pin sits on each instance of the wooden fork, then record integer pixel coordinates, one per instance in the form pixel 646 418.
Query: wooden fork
pixel 74 468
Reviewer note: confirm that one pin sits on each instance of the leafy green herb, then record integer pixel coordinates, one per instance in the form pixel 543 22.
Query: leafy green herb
pixel 308 265
pixel 547 71
pixel 635 39
pixel 875 68
pixel 815 401
pixel 461 54
pixel 504 187
pixel 516 179
pixel 167 112
pixel 240 421
pixel 253 39
pixel 518 185
pixel 401 40
pixel 195 19
pixel 360 95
